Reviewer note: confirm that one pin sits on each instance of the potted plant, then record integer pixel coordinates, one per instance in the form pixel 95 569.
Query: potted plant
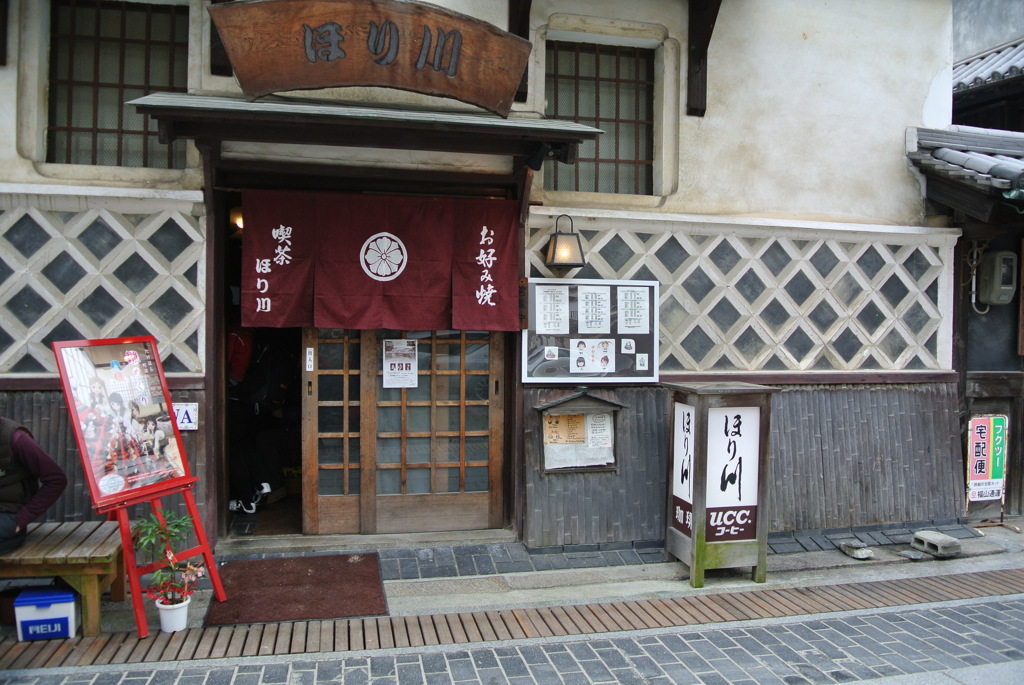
pixel 171 582
pixel 292 479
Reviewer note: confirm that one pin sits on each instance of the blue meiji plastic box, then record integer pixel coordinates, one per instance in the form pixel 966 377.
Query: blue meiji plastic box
pixel 45 613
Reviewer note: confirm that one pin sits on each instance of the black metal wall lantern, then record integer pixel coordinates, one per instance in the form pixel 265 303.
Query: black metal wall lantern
pixel 565 249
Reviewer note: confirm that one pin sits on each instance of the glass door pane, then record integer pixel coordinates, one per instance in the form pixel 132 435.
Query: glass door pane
pixel 338 409
pixel 437 444
pixel 434 438
pixel 332 437
pixel 411 459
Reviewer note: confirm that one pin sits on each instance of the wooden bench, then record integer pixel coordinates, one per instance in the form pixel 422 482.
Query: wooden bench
pixel 85 554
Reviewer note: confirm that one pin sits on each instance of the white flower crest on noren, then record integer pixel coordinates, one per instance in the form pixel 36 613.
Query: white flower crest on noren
pixel 383 257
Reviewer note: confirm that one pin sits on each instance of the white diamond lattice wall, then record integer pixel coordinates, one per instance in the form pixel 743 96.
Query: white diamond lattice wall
pixel 74 267
pixel 743 298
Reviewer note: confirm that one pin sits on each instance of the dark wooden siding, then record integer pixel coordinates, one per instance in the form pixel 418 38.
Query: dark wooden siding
pixel 840 456
pixel 46 415
pixel 571 508
pixel 864 455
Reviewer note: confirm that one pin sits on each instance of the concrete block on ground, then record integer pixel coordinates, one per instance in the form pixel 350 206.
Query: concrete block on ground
pixel 857 550
pixel 939 545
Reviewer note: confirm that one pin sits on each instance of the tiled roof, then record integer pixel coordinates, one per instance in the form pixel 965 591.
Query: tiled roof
pixel 985 158
pixel 974 170
pixel 991 66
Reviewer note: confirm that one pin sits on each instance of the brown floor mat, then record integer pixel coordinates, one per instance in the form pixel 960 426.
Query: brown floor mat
pixel 299 588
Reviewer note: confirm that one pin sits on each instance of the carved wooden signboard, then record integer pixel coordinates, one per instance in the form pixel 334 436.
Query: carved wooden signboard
pixel 280 45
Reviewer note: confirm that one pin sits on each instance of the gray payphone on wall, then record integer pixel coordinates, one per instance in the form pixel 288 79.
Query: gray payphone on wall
pixel 997 277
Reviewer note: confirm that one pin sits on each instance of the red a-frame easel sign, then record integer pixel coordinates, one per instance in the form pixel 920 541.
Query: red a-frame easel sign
pixel 129 442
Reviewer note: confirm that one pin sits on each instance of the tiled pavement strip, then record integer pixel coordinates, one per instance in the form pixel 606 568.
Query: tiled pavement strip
pixel 450 561
pixel 462 560
pixel 853 646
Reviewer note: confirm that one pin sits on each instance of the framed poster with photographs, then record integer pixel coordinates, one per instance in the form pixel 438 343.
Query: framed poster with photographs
pixel 591 331
pixel 123 420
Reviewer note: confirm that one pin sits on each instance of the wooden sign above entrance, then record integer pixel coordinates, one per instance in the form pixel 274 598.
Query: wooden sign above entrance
pixel 280 45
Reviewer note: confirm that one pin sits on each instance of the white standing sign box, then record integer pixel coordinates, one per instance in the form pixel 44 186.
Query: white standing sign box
pixel 720 434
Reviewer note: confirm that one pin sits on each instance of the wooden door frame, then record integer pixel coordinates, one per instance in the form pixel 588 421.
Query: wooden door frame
pixel 368 360
pixel 310 461
pixel 369 364
pixel 496 427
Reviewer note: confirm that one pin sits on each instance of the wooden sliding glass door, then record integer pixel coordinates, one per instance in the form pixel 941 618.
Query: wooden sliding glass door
pixel 382 459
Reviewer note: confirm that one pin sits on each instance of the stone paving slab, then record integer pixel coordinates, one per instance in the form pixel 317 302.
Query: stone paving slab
pixel 454 561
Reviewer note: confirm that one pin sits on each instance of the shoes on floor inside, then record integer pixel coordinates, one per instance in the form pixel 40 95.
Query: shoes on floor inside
pixel 239 505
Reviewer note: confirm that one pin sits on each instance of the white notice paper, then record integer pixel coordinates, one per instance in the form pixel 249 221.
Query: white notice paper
pixel 400 364
pixel 634 310
pixel 595 309
pixel 599 430
pixel 552 310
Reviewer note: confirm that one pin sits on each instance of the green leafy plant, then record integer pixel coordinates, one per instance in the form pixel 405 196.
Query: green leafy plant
pixel 170 580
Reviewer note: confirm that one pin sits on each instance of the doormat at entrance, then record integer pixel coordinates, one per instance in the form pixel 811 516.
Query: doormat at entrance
pixel 299 589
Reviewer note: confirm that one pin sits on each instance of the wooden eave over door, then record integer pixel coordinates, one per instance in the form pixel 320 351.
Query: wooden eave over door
pixel 293 121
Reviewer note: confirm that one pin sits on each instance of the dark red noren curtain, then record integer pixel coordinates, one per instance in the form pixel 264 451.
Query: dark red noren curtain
pixel 384 263
pixel 485 280
pixel 373 261
pixel 278 254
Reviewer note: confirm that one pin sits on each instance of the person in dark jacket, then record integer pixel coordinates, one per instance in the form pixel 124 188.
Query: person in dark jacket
pixel 30 482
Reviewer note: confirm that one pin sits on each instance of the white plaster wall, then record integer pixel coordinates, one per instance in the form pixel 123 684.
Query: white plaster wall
pixel 982 24
pixel 808 102
pixel 21 50
pixel 9 86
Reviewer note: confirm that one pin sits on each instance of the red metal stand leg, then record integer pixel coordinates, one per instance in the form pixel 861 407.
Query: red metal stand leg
pixel 204 546
pixel 132 571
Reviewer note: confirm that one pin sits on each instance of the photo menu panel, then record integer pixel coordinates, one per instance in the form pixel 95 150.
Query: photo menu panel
pixel 591 331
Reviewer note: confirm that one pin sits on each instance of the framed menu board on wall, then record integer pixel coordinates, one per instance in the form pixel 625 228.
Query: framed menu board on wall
pixel 591 331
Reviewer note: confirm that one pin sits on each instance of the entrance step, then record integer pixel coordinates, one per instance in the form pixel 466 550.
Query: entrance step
pixel 262 546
